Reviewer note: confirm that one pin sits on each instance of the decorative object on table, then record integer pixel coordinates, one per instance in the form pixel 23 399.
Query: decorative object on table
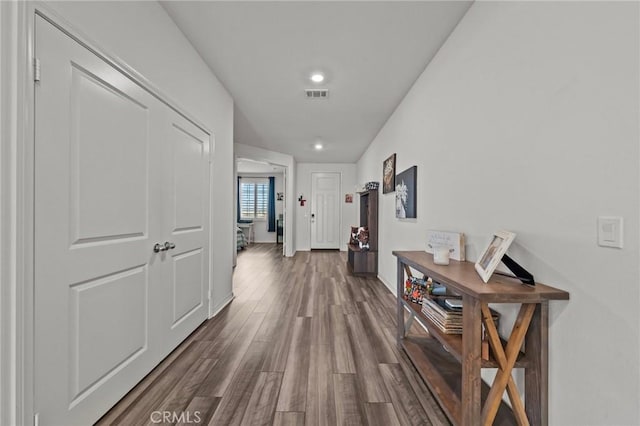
pixel 389 174
pixel 406 193
pixel 438 289
pixel 371 186
pixel 363 237
pixel 353 236
pixel 301 200
pixel 280 196
pixel 492 254
pixel 416 289
pixel 454 241
pixel 441 255
pixel 348 198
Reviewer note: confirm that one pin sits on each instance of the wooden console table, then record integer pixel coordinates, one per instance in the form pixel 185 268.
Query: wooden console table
pixel 451 364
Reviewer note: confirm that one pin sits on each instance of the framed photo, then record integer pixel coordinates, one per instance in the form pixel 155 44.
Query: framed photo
pixel 348 198
pixel 280 196
pixel 406 194
pixel 492 255
pixel 389 174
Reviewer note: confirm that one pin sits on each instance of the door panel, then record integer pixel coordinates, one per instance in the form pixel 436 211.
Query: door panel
pixel 188 155
pixel 99 191
pixel 113 176
pixel 325 210
pixel 187 284
pixel 118 339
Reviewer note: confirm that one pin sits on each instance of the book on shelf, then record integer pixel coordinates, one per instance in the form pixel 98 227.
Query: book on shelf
pixel 453 303
pixel 445 317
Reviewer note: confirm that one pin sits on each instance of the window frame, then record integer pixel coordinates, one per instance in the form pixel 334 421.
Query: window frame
pixel 255 181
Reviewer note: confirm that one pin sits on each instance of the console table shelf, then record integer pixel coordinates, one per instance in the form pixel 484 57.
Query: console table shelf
pixel 451 364
pixel 453 342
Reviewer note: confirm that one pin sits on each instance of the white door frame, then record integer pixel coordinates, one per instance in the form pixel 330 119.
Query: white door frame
pixel 286 161
pixel 16 226
pixel 285 212
pixel 17 191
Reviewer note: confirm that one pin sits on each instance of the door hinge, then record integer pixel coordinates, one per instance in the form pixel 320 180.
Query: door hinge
pixel 36 69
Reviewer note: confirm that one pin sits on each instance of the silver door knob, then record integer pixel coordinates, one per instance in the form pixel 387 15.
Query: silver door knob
pixel 157 248
pixel 169 245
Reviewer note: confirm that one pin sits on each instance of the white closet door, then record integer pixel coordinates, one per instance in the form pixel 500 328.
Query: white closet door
pixel 116 171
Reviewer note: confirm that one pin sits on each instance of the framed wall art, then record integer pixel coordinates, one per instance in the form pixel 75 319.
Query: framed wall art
pixel 406 206
pixel 389 174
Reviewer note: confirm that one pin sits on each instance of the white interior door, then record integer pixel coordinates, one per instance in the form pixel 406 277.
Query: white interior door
pixel 325 210
pixel 185 272
pixel 116 171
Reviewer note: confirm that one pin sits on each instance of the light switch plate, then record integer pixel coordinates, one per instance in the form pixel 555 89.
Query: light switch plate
pixel 610 231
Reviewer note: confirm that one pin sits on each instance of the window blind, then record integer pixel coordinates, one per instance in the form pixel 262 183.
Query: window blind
pixel 254 199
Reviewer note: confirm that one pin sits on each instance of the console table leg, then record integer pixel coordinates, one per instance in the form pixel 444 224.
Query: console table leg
pixel 399 308
pixel 536 376
pixel 471 361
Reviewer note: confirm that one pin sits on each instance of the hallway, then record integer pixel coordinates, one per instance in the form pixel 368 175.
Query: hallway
pixel 303 342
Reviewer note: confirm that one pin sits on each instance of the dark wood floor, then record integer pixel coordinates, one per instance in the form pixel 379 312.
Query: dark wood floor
pixel 302 343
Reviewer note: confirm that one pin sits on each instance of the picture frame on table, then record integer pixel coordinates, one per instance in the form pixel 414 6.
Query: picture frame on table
pixel 492 254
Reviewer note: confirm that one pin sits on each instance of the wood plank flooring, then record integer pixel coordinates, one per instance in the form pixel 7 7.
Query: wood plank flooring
pixel 302 343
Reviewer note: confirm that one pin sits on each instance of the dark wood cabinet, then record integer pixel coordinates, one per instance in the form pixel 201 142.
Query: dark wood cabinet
pixel 365 261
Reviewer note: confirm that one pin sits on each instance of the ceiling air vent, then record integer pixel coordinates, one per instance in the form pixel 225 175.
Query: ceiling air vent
pixel 316 93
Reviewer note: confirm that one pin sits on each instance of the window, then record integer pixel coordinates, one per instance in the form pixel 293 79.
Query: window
pixel 254 198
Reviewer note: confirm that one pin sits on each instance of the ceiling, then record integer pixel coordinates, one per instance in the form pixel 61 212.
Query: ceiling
pixel 370 52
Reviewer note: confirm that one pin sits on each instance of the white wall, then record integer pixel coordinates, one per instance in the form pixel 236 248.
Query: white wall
pixel 303 186
pixel 260 228
pixel 289 163
pixel 145 37
pixel 527 120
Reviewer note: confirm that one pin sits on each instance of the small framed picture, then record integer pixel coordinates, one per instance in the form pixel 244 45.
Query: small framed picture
pixel 492 255
pixel 389 174
pixel 348 198
pixel 280 196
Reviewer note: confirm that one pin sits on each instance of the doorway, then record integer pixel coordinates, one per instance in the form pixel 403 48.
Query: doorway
pixel 261 210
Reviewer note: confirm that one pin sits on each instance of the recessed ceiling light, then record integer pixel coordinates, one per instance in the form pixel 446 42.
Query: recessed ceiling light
pixel 318 146
pixel 317 77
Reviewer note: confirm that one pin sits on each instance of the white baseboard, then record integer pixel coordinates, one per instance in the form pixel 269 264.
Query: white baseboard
pixel 391 288
pixel 221 306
